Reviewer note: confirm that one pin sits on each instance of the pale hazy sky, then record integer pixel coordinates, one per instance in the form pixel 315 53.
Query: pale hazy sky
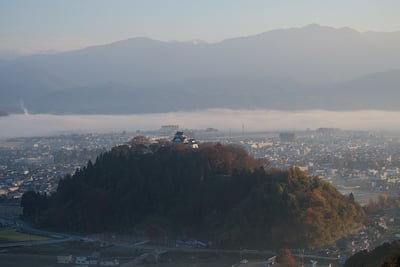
pixel 34 25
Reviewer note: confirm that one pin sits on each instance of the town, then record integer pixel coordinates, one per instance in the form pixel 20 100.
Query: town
pixel 363 164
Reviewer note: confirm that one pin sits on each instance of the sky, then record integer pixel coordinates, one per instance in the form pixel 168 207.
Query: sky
pixel 31 26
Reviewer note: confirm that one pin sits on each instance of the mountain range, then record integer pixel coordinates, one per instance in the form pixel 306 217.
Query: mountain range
pixel 313 67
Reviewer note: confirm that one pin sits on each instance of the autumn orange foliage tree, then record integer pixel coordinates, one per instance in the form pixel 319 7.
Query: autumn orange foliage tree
pixel 285 258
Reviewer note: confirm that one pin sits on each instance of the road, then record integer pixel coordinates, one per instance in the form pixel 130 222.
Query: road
pixel 63 237
pixel 228 251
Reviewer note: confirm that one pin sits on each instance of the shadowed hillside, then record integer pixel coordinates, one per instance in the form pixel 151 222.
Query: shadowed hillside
pixel 217 192
pixel 386 255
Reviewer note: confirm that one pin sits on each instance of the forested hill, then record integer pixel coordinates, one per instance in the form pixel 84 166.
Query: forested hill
pixel 386 255
pixel 217 192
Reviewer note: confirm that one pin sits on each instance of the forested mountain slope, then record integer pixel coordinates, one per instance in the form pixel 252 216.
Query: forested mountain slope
pixel 217 192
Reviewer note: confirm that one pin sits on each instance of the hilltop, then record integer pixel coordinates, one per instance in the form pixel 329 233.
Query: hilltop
pixel 217 193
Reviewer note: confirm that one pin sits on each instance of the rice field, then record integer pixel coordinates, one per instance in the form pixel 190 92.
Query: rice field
pixel 11 235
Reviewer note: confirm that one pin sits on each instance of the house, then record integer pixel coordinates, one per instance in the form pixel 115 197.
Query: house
pixel 270 261
pixel 180 138
pixel 193 143
pixel 82 260
pixel 244 261
pixel 114 262
pixel 65 259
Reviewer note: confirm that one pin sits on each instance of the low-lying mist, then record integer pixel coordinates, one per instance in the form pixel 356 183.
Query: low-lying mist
pixel 24 125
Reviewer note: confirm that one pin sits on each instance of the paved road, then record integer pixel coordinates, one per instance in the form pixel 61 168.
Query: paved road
pixel 206 250
pixel 63 237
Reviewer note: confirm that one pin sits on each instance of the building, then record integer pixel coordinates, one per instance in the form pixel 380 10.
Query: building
pixel 169 129
pixel 65 259
pixel 193 143
pixel 180 138
pixel 287 137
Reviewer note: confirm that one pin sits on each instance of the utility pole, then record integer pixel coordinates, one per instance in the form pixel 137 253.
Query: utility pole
pixel 301 255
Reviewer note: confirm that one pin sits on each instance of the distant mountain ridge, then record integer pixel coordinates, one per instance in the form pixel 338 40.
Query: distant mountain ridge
pixel 297 68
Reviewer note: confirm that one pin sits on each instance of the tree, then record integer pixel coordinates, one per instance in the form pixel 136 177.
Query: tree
pixel 33 203
pixel 383 200
pixel 371 207
pixel 139 140
pixel 397 203
pixel 218 190
pixel 351 197
pixel 285 258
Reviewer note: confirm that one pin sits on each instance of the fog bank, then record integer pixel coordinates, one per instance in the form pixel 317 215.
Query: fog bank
pixel 24 125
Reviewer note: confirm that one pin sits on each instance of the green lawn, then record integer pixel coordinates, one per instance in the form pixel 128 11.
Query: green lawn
pixel 10 235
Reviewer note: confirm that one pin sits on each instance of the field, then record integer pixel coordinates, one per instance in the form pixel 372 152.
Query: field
pixel 177 259
pixel 206 259
pixel 46 255
pixel 22 260
pixel 10 235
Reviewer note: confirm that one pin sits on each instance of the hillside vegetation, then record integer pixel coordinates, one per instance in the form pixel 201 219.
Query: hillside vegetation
pixel 386 255
pixel 217 193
